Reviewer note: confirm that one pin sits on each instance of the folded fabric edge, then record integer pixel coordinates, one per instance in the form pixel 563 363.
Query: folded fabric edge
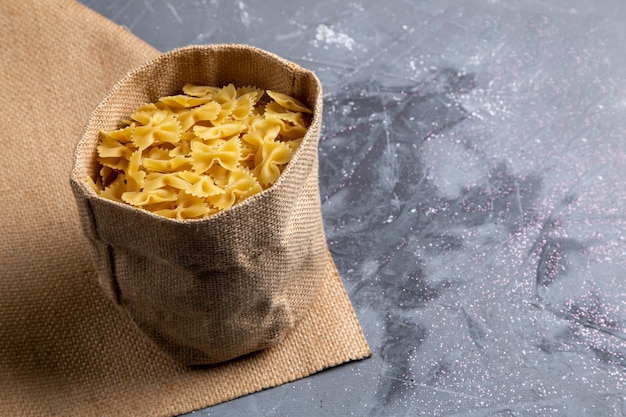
pixel 120 32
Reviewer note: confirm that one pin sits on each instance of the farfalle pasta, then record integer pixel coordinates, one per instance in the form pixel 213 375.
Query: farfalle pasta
pixel 191 155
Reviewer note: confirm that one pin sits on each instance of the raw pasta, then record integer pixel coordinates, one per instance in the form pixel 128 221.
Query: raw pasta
pixel 191 155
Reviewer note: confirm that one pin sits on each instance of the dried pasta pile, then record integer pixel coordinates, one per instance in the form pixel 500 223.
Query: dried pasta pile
pixel 191 155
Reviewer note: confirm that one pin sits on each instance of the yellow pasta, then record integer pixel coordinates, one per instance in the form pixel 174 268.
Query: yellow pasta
pixel 155 127
pixel 240 185
pixel 200 185
pixel 282 113
pixel 206 112
pixel 226 94
pixel 288 102
pixel 115 189
pixel 221 131
pixel 270 157
pixel 244 106
pixel 241 91
pixel 200 90
pixel 191 155
pixel 187 207
pixel 205 156
pixel 157 180
pixel 182 101
pixel 142 198
pixel 134 172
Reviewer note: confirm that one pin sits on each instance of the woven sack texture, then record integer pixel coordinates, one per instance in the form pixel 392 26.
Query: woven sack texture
pixel 65 348
pixel 235 282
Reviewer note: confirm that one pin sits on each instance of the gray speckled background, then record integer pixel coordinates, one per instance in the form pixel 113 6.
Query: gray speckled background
pixel 473 167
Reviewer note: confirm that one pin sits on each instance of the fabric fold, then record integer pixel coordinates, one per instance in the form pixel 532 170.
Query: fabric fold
pixel 65 349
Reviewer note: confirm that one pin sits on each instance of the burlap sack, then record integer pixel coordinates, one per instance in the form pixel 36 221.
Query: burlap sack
pixel 210 290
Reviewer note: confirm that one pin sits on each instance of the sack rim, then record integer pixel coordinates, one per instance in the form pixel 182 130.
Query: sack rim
pixel 80 184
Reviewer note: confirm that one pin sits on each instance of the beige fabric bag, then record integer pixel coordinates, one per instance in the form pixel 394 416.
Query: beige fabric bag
pixel 236 282
pixel 65 348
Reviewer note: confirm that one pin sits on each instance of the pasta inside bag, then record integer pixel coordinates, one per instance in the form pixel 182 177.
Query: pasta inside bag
pixel 215 275
pixel 194 154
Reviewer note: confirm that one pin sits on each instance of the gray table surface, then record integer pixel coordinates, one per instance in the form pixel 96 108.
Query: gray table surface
pixel 473 166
